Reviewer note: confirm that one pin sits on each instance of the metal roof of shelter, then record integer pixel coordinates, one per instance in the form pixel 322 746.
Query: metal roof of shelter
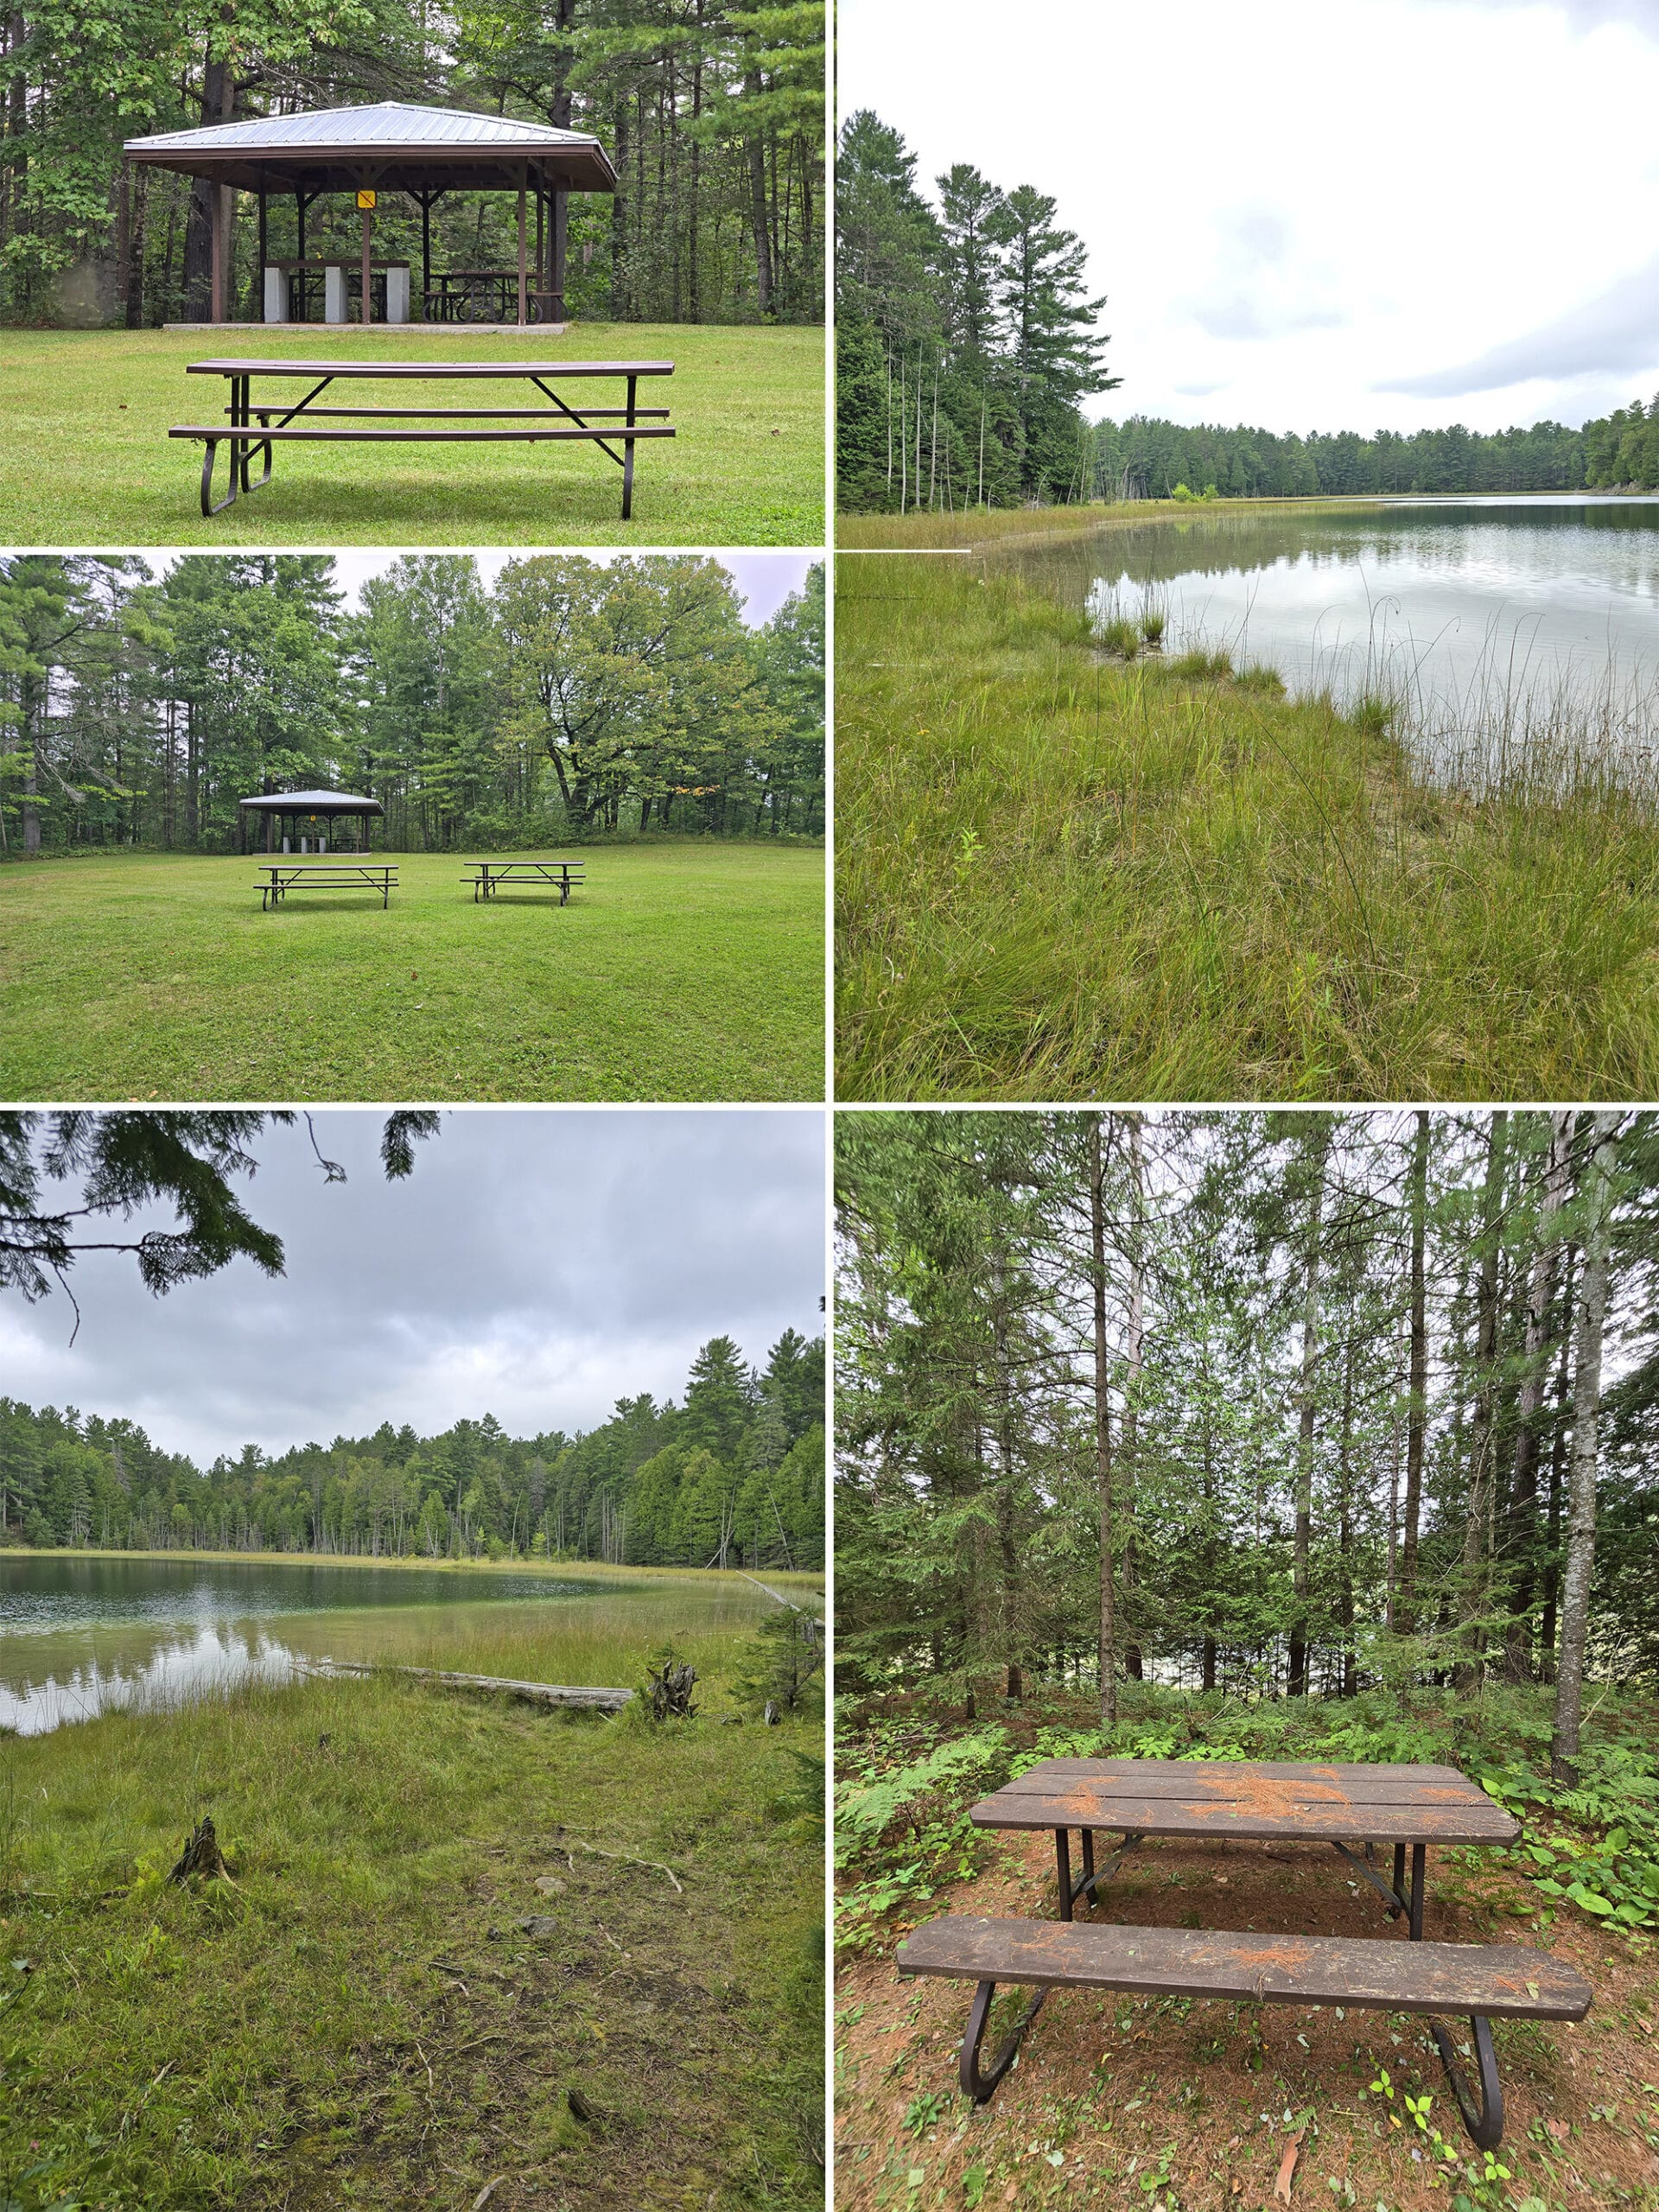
pixel 393 145
pixel 315 803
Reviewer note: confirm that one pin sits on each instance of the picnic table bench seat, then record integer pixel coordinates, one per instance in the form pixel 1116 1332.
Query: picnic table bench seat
pixel 253 424
pixel 1484 1980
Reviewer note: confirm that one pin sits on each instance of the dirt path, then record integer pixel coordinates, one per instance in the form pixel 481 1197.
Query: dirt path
pixel 1169 2103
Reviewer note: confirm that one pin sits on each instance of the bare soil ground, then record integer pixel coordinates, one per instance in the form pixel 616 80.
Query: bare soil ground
pixel 1196 2105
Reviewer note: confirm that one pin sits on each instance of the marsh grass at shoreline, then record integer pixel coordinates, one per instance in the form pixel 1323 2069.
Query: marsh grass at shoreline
pixel 361 2019
pixel 1063 875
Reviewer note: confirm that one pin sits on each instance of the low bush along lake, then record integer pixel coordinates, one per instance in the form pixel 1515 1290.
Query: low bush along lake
pixel 84 1634
pixel 1481 619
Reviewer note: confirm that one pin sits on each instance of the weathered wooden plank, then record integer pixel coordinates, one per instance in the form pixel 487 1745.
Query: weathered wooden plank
pixel 1287 1821
pixel 1203 1782
pixel 1276 1769
pixel 582 1693
pixel 1502 1981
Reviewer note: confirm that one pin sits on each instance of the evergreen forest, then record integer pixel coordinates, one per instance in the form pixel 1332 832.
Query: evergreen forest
pixel 711 112
pixel 732 1476
pixel 565 701
pixel 967 339
pixel 1270 1405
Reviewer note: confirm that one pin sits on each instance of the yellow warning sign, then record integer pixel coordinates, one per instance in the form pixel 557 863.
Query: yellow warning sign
pixel 365 199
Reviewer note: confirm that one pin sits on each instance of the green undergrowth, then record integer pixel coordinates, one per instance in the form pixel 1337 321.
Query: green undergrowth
pixel 905 1780
pixel 678 971
pixel 1062 874
pixel 465 1941
pixel 745 466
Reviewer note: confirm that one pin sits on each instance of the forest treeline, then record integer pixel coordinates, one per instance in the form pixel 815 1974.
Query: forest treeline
pixel 711 111
pixel 565 700
pixel 733 1475
pixel 966 339
pixel 1267 1403
pixel 965 336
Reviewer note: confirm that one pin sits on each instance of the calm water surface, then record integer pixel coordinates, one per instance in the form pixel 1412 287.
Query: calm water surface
pixel 1460 602
pixel 80 1635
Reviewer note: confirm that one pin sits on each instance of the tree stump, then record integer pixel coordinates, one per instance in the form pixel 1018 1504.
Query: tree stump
pixel 201 1855
pixel 670 1688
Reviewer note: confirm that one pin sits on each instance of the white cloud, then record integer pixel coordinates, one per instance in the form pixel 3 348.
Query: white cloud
pixel 1288 204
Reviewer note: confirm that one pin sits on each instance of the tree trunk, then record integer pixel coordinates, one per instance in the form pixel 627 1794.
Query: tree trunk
pixel 1471 1594
pixel 1522 1533
pixel 758 212
pixel 1563 1428
pixel 1102 1424
pixel 1297 1682
pixel 1133 1665
pixel 1600 1132
pixel 217 92
pixel 1417 1383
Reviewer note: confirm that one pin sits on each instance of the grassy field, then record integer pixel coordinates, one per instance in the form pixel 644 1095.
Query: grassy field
pixel 362 2019
pixel 1177 2104
pixel 745 468
pixel 676 972
pixel 1061 875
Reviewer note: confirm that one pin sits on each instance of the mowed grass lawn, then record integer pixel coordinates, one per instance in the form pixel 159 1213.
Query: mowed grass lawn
pixel 86 458
pixel 676 972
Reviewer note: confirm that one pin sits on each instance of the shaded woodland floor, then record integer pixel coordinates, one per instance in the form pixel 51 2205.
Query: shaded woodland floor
pixel 1112 2092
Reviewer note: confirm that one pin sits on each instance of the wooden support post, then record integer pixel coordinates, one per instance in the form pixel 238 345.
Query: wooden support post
pixel 368 280
pixel 561 234
pixel 264 247
pixel 426 250
pixel 524 303
pixel 541 240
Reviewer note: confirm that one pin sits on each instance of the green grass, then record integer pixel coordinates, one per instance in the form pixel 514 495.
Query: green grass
pixel 1063 877
pixel 86 459
pixel 678 971
pixel 988 527
pixel 360 2020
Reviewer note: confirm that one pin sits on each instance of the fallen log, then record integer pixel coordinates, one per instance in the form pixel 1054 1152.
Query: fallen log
pixel 580 1695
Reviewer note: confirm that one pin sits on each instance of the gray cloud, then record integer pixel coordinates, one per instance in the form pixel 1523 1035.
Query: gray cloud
pixel 1243 317
pixel 1616 330
pixel 538 1265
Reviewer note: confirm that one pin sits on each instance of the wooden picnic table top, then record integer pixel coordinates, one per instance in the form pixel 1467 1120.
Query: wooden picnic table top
pixel 225 366
pixel 1264 1799
pixel 500 867
pixel 310 863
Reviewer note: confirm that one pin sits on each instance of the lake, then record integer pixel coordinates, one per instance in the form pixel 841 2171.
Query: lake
pixel 1470 609
pixel 81 1634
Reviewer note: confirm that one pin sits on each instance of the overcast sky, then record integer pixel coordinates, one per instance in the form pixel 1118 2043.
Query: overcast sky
pixel 764 579
pixel 537 1265
pixel 1317 214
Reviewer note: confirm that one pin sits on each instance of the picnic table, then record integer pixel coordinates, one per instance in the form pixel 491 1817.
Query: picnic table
pixel 492 874
pixel 251 424
pixel 1409 1807
pixel 279 877
pixel 1354 1809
